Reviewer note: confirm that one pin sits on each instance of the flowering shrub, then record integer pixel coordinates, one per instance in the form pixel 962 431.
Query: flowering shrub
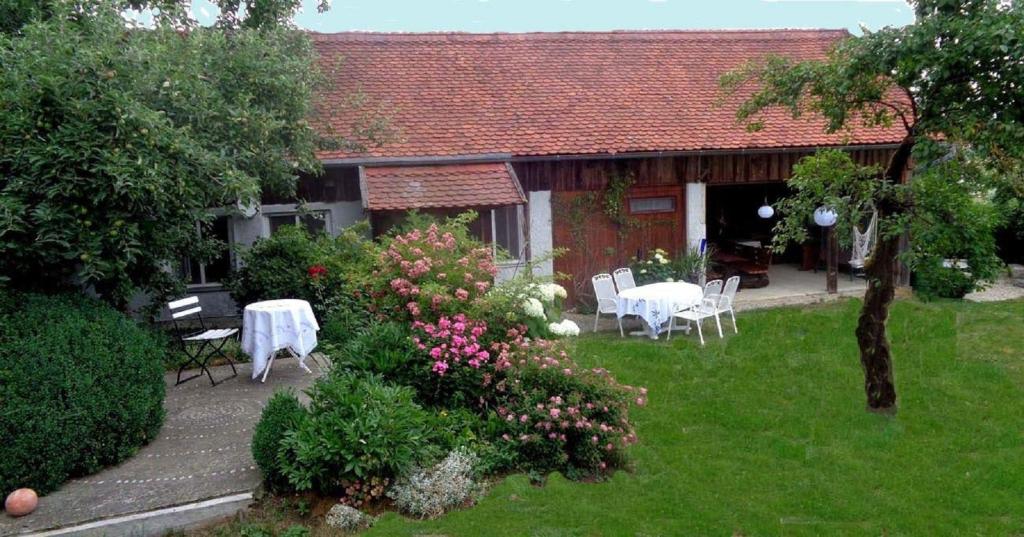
pixel 430 272
pixel 656 267
pixel 563 417
pixel 452 341
pixel 523 302
pixel 461 359
pixel 564 328
pixel 427 493
pixel 476 358
pixel 294 264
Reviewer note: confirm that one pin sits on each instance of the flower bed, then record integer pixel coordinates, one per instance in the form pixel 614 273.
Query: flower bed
pixel 479 368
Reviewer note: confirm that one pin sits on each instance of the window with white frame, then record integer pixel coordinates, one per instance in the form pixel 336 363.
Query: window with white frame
pixel 313 221
pixel 507 232
pixel 665 204
pixel 213 271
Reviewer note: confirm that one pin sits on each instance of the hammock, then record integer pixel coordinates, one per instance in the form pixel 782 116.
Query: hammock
pixel 863 243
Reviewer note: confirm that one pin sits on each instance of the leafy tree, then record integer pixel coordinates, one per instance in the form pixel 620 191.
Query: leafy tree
pixel 953 78
pixel 116 141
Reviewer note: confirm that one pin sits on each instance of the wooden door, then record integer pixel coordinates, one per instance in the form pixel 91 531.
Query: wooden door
pixel 595 243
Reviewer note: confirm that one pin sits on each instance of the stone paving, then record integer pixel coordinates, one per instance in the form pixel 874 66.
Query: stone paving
pixel 202 452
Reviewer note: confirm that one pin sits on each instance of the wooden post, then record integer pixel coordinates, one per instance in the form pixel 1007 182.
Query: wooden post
pixel 832 261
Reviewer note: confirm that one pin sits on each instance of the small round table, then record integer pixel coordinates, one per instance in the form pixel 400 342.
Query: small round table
pixel 274 325
pixel 657 302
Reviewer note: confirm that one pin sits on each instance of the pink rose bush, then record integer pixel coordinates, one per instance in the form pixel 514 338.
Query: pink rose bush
pixel 559 416
pixel 452 342
pixel 439 269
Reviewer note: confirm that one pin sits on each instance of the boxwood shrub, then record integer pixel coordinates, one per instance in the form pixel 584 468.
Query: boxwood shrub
pixel 282 414
pixel 81 387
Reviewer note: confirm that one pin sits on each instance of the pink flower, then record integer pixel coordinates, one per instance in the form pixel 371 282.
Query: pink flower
pixel 413 308
pixel 461 294
pixel 555 412
pixel 441 367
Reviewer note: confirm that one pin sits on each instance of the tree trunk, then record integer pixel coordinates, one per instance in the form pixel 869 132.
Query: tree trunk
pixel 881 272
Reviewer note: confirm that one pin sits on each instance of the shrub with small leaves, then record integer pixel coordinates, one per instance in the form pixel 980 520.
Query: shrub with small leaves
pixel 283 413
pixel 427 493
pixel 81 388
pixel 348 518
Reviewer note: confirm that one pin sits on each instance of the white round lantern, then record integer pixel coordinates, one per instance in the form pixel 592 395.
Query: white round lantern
pixel 247 208
pixel 825 217
pixel 766 211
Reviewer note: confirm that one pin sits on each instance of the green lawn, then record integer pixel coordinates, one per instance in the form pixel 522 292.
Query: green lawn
pixel 765 433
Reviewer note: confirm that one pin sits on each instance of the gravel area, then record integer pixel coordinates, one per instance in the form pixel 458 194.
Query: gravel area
pixel 1003 289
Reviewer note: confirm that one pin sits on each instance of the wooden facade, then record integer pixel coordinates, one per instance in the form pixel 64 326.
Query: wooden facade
pixel 715 169
pixel 595 243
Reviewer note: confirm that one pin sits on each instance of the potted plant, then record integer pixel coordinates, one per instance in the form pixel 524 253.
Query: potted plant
pixel 692 265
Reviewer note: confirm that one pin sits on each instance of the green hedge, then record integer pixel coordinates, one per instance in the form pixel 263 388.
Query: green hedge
pixel 81 388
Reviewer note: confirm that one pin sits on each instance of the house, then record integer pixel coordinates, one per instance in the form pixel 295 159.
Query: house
pixel 530 129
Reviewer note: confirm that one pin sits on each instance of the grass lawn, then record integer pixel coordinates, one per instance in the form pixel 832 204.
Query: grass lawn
pixel 765 433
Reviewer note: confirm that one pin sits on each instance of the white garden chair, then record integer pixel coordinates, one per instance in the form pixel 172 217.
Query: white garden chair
pixel 708 307
pixel 725 302
pixel 623 279
pixel 607 300
pixel 210 341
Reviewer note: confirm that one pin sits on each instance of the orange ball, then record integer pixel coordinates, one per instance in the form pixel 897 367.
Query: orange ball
pixel 21 502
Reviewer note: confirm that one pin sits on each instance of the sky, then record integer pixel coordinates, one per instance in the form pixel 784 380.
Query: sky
pixel 561 15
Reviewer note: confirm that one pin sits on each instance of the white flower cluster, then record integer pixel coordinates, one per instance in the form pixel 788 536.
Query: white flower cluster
pixel 550 291
pixel 533 308
pixel 429 493
pixel 564 328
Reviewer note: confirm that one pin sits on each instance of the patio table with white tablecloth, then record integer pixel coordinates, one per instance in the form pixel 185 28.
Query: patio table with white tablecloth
pixel 274 325
pixel 655 303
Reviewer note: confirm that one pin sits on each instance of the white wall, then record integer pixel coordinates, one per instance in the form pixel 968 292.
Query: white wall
pixel 541 237
pixel 696 213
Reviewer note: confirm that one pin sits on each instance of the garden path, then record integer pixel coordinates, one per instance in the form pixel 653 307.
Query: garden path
pixel 202 452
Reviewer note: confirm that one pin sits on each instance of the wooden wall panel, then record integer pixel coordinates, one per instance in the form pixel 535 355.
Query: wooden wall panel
pixel 594 243
pixel 724 169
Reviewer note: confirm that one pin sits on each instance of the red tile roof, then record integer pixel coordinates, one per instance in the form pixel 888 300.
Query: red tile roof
pixel 569 93
pixel 490 184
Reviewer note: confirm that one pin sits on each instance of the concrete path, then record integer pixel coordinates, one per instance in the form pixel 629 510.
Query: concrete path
pixel 202 452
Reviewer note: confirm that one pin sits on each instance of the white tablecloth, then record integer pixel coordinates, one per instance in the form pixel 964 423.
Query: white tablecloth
pixel 655 303
pixel 273 325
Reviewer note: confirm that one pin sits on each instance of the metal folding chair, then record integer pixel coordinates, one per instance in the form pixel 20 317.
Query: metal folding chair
pixel 210 341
